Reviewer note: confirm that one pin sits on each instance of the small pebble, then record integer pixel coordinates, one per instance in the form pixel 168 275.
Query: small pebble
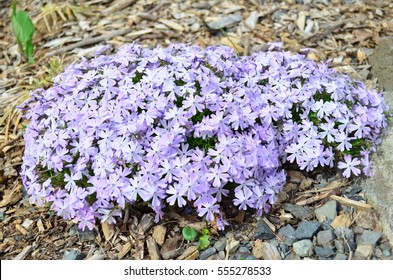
pixel 323 252
pixel 339 246
pixel 325 237
pixel 73 255
pixel 302 247
pixel 386 250
pixel 263 232
pixel 344 233
pixel 286 231
pixel 370 237
pixel 220 244
pixel 221 255
pixel 207 253
pixel 340 256
pixel 306 230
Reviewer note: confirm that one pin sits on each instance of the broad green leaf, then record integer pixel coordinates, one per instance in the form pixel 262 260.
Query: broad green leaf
pixel 205 231
pixel 23 26
pixel 204 242
pixel 23 29
pixel 189 234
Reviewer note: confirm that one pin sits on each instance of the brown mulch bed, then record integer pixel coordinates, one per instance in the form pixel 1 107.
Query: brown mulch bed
pixel 344 33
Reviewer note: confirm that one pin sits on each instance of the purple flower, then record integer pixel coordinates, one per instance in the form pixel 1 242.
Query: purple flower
pixel 188 126
pixel 350 166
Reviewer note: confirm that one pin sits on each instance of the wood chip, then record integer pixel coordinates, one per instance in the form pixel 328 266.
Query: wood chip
pixel 171 24
pixel 21 229
pixel 22 255
pixel 146 223
pixel 341 220
pixel 159 233
pixel 265 250
pixel 191 253
pixel 40 226
pixel 352 203
pixel 301 20
pixel 11 196
pixel 153 249
pixel 124 250
pixel 108 230
pixel 171 248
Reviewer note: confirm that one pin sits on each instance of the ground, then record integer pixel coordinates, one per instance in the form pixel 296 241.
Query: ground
pixel 345 32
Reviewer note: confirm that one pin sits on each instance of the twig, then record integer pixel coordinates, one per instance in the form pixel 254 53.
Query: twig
pixel 246 45
pixel 314 199
pixel 98 39
pixel 117 6
pixel 352 203
pixel 331 186
pixel 20 134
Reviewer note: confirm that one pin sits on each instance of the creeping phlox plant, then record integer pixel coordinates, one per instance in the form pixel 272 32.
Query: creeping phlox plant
pixel 184 125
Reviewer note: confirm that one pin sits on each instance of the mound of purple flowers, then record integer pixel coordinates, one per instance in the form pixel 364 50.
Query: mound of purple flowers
pixel 184 125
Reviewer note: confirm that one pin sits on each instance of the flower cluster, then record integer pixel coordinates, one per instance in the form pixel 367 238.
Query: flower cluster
pixel 184 125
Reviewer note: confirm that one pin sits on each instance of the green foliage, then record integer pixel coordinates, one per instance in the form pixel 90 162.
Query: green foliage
pixel 189 234
pixel 23 29
pixel 204 242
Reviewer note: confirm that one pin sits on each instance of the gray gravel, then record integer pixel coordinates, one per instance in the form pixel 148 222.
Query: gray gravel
pixel 302 247
pixel 73 255
pixel 207 253
pixel 263 232
pixel 307 230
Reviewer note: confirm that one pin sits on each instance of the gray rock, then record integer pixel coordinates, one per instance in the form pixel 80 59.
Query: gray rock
pixel 207 253
pixel 324 252
pixel 340 257
pixel 286 231
pixel 292 256
pixel 358 230
pixel 289 240
pixel 386 250
pixel 370 237
pixel 303 247
pixel 73 230
pixel 344 233
pixel 300 212
pixel 233 245
pixel 278 14
pixel 244 250
pixel 378 188
pixel 325 237
pixel 2 215
pixel 252 20
pixel 220 244
pixel 378 252
pixel 364 252
pixel 306 230
pixel 239 256
pixel 327 212
pixel 86 235
pixel 263 232
pixel 221 255
pixel 339 246
pixel 73 255
pixel 287 234
pixel 225 21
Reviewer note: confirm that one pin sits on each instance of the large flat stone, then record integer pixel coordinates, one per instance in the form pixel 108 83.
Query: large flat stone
pixel 382 64
pixel 379 188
